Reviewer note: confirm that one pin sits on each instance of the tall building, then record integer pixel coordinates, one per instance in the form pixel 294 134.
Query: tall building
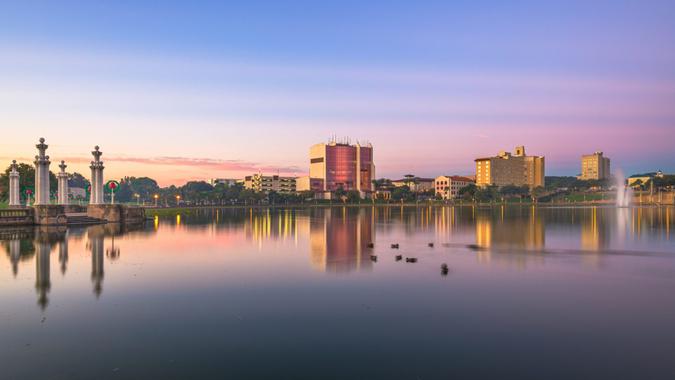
pixel 264 184
pixel 594 166
pixel 307 183
pixel 448 186
pixel 341 165
pixel 516 169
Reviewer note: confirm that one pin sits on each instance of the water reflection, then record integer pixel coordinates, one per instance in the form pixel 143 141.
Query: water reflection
pixel 336 240
pixel 96 242
pixel 339 239
pixel 255 283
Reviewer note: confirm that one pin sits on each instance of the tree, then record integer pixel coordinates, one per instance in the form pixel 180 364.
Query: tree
pixel 468 192
pixel 353 196
pixel 26 180
pixel 537 192
pixel 78 180
pixel 402 193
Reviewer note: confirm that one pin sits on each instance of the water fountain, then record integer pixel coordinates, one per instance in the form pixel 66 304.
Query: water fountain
pixel 624 193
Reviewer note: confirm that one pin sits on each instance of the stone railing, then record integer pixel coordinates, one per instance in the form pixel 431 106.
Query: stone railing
pixel 16 217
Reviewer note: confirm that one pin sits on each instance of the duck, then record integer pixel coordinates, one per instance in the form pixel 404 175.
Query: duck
pixel 399 257
pixel 445 269
pixel 373 258
pixel 394 246
pixel 371 245
pixel 431 245
pixel 410 260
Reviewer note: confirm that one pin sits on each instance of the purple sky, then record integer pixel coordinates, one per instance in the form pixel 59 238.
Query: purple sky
pixel 180 93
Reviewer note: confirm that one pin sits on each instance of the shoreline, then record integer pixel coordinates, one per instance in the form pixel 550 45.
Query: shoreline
pixel 158 210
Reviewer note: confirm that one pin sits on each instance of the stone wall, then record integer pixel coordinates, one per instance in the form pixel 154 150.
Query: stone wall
pixel 116 213
pixel 110 213
pixel 133 214
pixel 50 215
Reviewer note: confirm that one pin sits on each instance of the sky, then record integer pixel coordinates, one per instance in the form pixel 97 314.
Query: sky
pixel 181 91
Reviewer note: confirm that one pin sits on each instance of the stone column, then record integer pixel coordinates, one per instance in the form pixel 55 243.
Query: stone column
pixel 63 254
pixel 15 254
pixel 42 273
pixel 63 184
pixel 42 174
pixel 14 196
pixel 96 196
pixel 96 242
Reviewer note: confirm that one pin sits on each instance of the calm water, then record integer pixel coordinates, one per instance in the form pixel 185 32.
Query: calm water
pixel 293 294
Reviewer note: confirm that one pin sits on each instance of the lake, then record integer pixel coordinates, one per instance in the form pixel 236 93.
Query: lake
pixel 538 293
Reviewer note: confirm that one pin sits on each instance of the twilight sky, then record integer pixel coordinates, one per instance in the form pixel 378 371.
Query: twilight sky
pixel 179 90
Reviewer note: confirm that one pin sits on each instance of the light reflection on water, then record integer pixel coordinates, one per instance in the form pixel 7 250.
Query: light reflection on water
pixel 274 286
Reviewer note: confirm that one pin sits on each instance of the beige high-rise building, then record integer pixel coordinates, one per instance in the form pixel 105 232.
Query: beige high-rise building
pixel 516 169
pixel 595 166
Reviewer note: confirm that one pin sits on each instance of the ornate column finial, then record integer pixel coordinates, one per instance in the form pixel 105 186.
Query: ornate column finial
pixel 97 154
pixel 63 166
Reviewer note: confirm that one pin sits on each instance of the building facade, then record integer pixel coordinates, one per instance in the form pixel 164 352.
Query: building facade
pixel 307 183
pixel 265 184
pixel 448 187
pixel 342 166
pixel 595 167
pixel 223 181
pixel 417 185
pixel 516 169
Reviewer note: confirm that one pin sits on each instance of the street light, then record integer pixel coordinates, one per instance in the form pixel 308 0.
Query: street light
pixel 156 196
pixel 138 199
pixel 177 200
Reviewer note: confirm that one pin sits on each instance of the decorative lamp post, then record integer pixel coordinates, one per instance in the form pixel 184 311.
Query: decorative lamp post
pixel 156 196
pixel 113 186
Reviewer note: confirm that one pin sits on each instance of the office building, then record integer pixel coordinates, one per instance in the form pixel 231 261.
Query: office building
pixel 341 165
pixel 265 184
pixel 516 169
pixel 307 183
pixel 594 167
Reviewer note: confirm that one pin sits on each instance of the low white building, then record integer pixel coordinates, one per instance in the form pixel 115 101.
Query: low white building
pixel 448 186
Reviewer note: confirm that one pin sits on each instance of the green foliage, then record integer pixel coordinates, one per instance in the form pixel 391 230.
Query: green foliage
pixel 573 183
pixel 26 181
pixel 402 193
pixel 78 180
pixel 668 181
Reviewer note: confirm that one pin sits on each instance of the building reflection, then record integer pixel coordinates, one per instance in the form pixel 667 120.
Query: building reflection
pixel 269 224
pixel 510 228
pixel 595 231
pixel 339 239
pixel 514 235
